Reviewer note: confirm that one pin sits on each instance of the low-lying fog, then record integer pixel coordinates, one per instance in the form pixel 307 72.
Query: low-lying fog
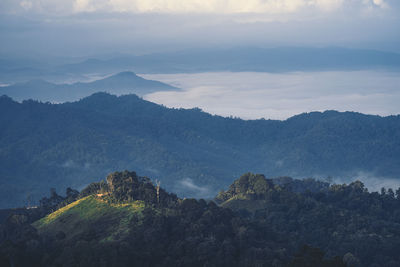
pixel 253 95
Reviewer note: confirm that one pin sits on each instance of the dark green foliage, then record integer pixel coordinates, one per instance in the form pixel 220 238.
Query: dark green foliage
pixel 94 188
pixel 173 232
pixel 252 186
pixel 127 186
pixel 311 257
pixel 340 220
pixel 44 145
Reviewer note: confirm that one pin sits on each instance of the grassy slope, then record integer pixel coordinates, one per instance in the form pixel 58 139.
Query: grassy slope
pixel 111 220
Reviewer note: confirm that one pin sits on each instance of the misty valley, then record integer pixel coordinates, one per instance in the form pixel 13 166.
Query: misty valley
pixel 173 133
pixel 128 219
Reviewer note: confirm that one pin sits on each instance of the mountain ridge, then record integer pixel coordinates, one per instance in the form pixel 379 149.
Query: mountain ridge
pixel 121 83
pixel 192 152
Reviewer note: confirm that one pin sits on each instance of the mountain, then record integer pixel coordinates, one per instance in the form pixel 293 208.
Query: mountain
pixel 192 153
pixel 129 221
pixel 121 83
pixel 277 59
pixel 340 219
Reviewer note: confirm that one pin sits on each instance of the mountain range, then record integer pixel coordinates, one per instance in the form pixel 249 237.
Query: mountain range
pixel 118 84
pixel 277 59
pixel 191 152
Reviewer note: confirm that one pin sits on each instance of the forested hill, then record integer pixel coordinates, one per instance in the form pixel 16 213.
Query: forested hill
pixel 130 220
pixel 193 153
pixel 339 219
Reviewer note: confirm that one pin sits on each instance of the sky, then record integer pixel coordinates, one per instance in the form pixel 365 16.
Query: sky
pixel 83 28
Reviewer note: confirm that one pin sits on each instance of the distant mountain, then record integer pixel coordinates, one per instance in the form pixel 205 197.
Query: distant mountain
pixel 278 59
pixel 191 152
pixel 121 83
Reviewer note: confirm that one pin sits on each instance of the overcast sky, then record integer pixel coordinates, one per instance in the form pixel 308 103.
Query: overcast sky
pixel 93 27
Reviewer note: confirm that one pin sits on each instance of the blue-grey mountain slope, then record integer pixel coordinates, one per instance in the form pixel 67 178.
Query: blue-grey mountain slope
pixel 193 153
pixel 121 83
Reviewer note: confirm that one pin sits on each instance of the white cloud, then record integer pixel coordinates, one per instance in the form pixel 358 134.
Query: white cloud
pixel 327 4
pixel 380 3
pixel 279 96
pixel 221 6
pixel 189 188
pixel 81 5
pixel 26 5
pixel 376 3
pixel 187 6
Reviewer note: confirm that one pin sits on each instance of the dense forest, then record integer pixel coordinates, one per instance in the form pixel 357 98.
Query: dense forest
pixel 130 220
pixel 192 153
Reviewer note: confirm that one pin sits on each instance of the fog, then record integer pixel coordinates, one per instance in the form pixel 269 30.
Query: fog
pixel 372 182
pixel 252 95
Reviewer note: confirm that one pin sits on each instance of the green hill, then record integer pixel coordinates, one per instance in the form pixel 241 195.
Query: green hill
pixel 129 220
pixel 90 211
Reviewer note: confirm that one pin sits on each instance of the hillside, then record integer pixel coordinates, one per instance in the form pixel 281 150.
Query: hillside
pixel 340 219
pixel 118 84
pixel 127 219
pixel 191 152
pixel 124 222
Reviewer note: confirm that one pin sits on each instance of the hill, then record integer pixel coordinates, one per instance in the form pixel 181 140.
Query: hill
pixel 340 219
pixel 125 222
pixel 119 84
pixel 191 152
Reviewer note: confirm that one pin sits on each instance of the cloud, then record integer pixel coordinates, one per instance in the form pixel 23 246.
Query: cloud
pixel 189 188
pixel 26 5
pixel 217 6
pixel 281 95
pixel 371 181
pixel 187 6
pixel 90 28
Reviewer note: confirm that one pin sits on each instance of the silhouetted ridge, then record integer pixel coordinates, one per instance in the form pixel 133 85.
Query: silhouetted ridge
pixel 4 99
pixel 120 84
pixel 124 74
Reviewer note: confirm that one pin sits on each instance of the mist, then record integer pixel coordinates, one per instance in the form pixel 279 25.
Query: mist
pixel 252 95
